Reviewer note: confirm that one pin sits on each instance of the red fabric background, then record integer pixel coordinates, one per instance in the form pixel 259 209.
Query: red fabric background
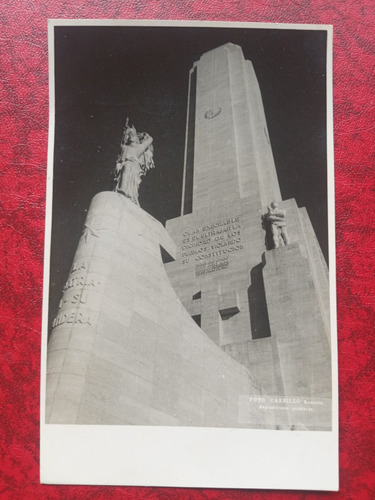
pixel 23 153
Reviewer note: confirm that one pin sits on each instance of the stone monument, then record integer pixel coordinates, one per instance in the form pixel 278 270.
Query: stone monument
pixel 264 303
pixel 234 308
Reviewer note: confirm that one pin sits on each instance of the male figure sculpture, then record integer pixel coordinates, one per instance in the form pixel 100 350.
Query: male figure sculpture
pixel 276 219
pixel 134 160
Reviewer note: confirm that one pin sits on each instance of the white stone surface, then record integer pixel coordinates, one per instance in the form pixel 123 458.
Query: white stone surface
pixel 130 353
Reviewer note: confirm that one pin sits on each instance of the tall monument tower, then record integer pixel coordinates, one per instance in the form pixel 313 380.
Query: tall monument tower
pixel 228 153
pixel 266 307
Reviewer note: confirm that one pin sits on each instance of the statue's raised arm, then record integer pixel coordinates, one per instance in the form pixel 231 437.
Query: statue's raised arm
pixel 134 160
pixel 145 142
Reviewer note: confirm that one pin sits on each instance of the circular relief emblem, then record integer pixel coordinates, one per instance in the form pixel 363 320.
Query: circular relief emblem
pixel 210 113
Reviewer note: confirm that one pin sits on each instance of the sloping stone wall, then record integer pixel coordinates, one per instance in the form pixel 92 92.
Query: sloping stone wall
pixel 123 349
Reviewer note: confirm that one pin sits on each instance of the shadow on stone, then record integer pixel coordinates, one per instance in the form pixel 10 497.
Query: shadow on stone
pixel 260 327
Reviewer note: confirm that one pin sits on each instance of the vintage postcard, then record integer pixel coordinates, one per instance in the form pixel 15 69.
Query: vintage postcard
pixel 189 330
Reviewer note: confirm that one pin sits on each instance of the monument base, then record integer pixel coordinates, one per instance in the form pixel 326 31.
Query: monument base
pixel 123 349
pixel 300 346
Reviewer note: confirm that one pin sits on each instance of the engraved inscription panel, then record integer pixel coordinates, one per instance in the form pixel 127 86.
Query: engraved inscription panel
pixel 209 246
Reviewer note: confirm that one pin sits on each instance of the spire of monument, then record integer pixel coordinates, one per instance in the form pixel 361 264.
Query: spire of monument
pixel 228 154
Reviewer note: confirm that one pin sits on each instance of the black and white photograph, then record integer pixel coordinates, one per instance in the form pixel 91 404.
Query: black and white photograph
pixel 189 274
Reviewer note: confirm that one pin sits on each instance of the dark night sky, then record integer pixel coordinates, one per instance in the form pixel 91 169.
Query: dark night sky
pixel 104 74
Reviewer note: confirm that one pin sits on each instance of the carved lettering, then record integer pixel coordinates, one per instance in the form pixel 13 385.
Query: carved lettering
pixel 80 281
pixel 212 240
pixel 210 267
pixel 79 298
pixel 72 317
pixel 78 266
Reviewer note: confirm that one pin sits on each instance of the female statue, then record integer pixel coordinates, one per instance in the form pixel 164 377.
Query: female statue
pixel 134 160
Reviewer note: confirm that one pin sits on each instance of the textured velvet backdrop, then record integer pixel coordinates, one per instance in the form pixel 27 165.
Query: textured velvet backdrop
pixel 23 152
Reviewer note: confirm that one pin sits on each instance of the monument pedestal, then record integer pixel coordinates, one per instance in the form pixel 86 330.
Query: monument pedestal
pixel 296 324
pixel 299 344
pixel 123 349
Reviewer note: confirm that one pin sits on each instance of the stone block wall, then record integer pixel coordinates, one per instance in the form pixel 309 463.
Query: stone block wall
pixel 123 349
pixel 296 323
